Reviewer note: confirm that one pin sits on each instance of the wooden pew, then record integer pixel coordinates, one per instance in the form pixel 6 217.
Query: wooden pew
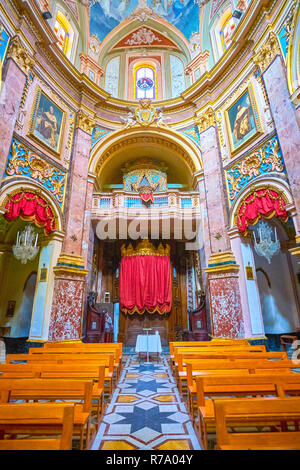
pixel 194 351
pixel 211 387
pixel 83 352
pixel 116 348
pixel 214 361
pixel 232 367
pixel 53 390
pixel 27 418
pixel 92 372
pixel 264 410
pixel 71 359
pixel 181 374
pixel 211 343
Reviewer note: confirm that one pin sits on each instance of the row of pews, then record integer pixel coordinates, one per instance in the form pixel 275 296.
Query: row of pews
pixel 239 397
pixel 56 395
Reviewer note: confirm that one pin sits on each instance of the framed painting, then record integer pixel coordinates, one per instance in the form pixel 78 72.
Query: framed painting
pixel 243 122
pixel 10 308
pixel 47 122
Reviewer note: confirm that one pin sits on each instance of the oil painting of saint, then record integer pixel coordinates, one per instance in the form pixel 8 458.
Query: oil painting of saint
pixel 48 123
pixel 242 125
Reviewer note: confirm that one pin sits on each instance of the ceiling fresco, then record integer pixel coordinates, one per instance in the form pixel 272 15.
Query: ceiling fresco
pixel 105 15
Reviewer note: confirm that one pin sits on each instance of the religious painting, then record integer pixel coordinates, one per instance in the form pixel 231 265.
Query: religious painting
pixel 242 119
pixel 10 308
pixel 47 122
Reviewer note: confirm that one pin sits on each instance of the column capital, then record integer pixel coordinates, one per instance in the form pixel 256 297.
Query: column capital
pixel 205 120
pixel 296 250
pixel 85 122
pixel 20 55
pixel 220 262
pixel 268 51
pixel 70 264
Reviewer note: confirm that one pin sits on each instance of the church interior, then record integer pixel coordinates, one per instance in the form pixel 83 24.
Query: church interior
pixel 149 225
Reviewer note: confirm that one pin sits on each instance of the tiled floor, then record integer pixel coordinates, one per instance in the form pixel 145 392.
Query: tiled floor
pixel 146 412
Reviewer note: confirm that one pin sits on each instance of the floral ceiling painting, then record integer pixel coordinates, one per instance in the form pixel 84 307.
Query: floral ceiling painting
pixel 105 15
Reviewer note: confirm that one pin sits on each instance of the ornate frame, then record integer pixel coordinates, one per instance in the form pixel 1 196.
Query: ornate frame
pixel 254 106
pixel 33 115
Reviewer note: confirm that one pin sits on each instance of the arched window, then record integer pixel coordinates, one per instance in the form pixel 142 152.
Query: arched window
pixel 177 76
pixel 64 33
pixel 112 77
pixel 145 83
pixel 226 32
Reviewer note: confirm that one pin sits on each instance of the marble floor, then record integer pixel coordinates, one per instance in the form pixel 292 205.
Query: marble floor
pixel 146 412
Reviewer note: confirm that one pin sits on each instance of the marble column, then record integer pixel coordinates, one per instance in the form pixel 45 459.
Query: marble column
pixel 17 67
pixel 270 62
pixel 70 271
pixel 225 307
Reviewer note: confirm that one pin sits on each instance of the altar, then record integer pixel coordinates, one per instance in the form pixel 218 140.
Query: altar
pixel 148 343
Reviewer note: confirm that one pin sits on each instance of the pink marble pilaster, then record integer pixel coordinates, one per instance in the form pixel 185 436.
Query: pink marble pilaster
pixel 222 273
pixel 286 123
pixel 67 308
pixel 225 306
pixel 215 191
pixel 14 81
pixel 76 204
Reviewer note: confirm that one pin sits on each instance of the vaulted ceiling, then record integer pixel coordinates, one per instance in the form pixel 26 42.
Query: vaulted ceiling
pixel 105 15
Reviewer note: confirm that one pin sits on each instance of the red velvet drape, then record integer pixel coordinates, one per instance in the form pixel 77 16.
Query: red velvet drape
pixel 145 284
pixel 265 202
pixel 30 206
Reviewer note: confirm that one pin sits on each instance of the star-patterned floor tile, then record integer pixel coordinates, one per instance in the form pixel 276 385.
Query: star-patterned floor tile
pixel 146 408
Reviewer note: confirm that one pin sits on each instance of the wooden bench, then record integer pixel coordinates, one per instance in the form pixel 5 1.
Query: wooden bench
pixel 209 388
pixel 232 367
pixel 115 348
pixel 53 390
pixel 213 343
pixel 265 411
pixel 195 358
pixel 72 359
pixel 64 371
pixel 82 352
pixel 193 351
pixel 182 359
pixel 28 418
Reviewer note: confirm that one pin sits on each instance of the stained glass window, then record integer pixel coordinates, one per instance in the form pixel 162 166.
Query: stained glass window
pixel 227 32
pixel 62 35
pixel 145 83
pixel 64 32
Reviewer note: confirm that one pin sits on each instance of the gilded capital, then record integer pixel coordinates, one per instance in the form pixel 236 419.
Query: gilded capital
pixel 267 52
pixel 85 122
pixel 20 55
pixel 205 120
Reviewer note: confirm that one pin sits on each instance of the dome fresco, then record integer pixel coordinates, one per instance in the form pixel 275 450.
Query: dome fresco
pixel 105 15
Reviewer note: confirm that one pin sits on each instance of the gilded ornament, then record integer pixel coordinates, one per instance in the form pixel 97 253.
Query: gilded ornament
pixel 205 120
pixel 85 122
pixel 20 55
pixel 269 50
pixel 145 248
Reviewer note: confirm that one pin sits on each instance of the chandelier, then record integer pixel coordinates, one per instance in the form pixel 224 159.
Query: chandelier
pixel 268 244
pixel 25 248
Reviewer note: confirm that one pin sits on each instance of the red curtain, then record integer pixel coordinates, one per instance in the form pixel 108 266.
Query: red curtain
pixel 147 197
pixel 145 284
pixel 30 206
pixel 265 202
